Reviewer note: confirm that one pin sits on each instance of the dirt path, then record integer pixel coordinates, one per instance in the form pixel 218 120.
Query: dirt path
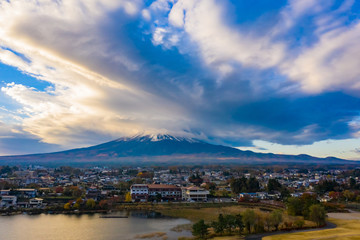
pixel 345 216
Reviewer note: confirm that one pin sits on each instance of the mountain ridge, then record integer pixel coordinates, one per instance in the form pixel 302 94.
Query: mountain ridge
pixel 165 149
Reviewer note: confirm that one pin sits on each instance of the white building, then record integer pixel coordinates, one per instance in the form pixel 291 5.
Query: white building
pixel 139 192
pixel 194 194
pixel 36 202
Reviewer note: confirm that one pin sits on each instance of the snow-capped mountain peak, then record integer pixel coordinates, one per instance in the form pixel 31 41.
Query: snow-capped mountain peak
pixel 157 138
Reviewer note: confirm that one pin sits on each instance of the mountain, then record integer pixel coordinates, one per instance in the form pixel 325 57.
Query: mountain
pixel 163 149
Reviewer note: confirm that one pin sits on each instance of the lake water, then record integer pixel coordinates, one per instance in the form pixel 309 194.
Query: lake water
pixel 87 227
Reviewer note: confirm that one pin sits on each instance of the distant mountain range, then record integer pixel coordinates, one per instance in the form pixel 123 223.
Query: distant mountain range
pixel 165 150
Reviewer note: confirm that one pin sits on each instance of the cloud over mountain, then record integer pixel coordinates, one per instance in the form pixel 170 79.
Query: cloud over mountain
pixel 225 71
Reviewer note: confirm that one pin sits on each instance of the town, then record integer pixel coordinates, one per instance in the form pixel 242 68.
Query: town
pixel 68 188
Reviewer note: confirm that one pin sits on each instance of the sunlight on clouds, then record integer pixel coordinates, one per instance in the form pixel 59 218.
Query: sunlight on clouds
pixel 220 44
pixel 83 106
pixel 348 148
pixel 331 64
pixel 120 67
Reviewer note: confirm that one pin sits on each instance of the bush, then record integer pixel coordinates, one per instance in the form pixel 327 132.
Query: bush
pixel 299 223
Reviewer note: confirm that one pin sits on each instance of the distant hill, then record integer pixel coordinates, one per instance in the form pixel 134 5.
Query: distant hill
pixel 165 150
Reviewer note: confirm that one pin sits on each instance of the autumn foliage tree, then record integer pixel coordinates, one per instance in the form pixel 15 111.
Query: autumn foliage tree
pixel 128 197
pixel 90 203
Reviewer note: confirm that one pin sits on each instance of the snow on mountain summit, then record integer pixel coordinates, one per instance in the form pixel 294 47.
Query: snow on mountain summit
pixel 157 138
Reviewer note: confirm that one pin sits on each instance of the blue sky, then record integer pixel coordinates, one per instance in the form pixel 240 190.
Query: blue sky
pixel 269 76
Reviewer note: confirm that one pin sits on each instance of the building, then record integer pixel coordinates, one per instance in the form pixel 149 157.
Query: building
pixel 5 192
pixel 8 201
pixel 166 192
pixel 194 194
pixel 36 202
pixel 139 192
pixel 93 193
pixel 25 193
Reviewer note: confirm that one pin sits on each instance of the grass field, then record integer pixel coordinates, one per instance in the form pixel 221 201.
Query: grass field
pixel 345 230
pixel 208 214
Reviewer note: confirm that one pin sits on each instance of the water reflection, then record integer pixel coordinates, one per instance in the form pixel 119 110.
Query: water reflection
pixel 87 227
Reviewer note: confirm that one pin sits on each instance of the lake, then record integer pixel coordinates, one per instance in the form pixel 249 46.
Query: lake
pixel 88 227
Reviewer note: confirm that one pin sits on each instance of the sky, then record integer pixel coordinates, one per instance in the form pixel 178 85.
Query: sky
pixel 268 76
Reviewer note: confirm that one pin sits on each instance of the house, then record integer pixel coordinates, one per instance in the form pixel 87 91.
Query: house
pixel 248 195
pixel 8 201
pixel 194 194
pixel 139 192
pixel 262 195
pixel 93 193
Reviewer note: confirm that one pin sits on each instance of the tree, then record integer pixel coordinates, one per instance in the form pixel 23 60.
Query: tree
pixel 196 179
pixel 273 185
pixel 59 189
pixel 284 193
pixel 348 195
pixel 200 229
pixel 73 191
pixel 239 222
pixel 268 222
pixel 259 223
pixel 294 206
pixel 300 206
pixel 249 219
pixel 276 217
pixel 67 206
pixel 239 185
pixel 326 186
pixel 90 203
pixel 352 183
pixel 128 197
pixel 219 225
pixel 317 214
pixel 253 184
pixel 230 221
pixel 335 196
pixel 103 204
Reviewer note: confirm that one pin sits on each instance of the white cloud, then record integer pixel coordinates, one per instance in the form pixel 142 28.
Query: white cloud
pixel 347 148
pixel 219 43
pixel 60 42
pixel 329 65
pixel 100 86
